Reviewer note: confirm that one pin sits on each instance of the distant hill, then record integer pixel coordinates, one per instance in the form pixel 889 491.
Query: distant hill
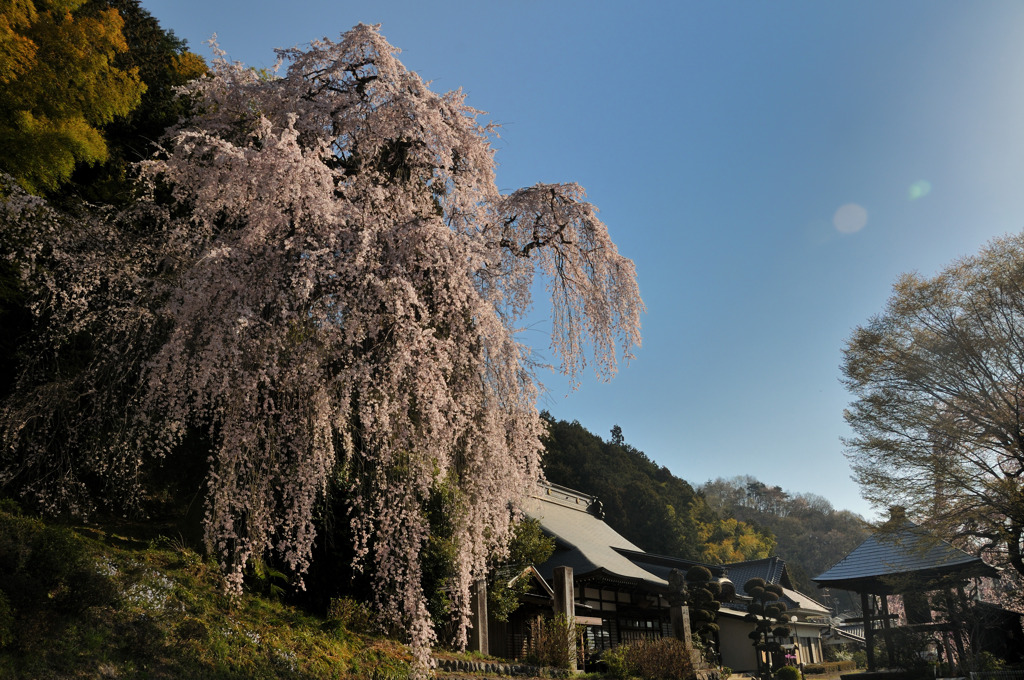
pixel 643 501
pixel 810 534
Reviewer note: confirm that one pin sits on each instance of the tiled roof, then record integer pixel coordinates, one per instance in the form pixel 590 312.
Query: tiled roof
pixel 876 564
pixel 771 569
pixel 591 547
pixel 584 542
pixel 840 635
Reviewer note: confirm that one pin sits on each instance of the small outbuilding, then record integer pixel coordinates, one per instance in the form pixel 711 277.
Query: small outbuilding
pixel 903 559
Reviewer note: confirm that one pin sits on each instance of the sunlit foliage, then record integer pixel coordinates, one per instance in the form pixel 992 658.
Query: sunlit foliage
pixel 809 533
pixel 58 85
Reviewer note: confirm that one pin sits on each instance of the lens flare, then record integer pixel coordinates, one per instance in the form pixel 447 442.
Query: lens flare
pixel 919 189
pixel 850 218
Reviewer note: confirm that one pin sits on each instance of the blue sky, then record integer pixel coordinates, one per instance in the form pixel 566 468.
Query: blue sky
pixel 771 168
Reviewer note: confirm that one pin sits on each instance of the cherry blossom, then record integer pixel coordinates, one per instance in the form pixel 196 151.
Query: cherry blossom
pixel 334 294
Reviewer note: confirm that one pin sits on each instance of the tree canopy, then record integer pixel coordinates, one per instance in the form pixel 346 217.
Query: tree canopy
pixel 322 288
pixel 938 386
pixel 163 63
pixel 58 85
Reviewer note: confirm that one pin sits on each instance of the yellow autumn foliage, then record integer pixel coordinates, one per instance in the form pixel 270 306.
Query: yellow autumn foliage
pixel 58 85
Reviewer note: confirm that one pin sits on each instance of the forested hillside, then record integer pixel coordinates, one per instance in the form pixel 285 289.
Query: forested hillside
pixel 645 502
pixel 810 534
pixel 727 520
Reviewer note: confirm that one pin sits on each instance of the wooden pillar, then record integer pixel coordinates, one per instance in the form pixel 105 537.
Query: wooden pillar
pixel 957 631
pixel 887 631
pixel 565 606
pixel 478 638
pixel 869 633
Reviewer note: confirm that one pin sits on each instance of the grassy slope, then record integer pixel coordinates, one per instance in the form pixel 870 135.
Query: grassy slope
pixel 162 614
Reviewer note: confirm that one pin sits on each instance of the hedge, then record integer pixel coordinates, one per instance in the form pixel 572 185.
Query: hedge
pixel 831 667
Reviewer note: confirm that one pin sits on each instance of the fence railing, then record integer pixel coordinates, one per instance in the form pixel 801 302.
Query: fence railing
pixel 998 675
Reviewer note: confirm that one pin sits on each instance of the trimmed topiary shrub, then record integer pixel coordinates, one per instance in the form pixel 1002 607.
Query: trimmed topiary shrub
pixel 788 673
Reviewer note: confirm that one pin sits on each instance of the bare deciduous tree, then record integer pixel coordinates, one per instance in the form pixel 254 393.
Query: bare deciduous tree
pixel 938 381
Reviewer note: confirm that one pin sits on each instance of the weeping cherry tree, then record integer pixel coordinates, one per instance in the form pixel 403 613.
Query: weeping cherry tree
pixel 332 296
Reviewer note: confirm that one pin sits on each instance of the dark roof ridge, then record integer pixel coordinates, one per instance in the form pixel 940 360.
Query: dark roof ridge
pixel 771 569
pixel 668 560
pixel 751 562
pixel 563 495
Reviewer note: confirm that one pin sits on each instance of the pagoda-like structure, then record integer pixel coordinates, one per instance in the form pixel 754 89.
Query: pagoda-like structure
pixel 902 558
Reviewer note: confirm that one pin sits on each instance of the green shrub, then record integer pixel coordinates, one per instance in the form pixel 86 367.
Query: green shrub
pixel 835 653
pixel 661 659
pixel 615 659
pixel 829 667
pixel 788 673
pixel 263 579
pixel 350 614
